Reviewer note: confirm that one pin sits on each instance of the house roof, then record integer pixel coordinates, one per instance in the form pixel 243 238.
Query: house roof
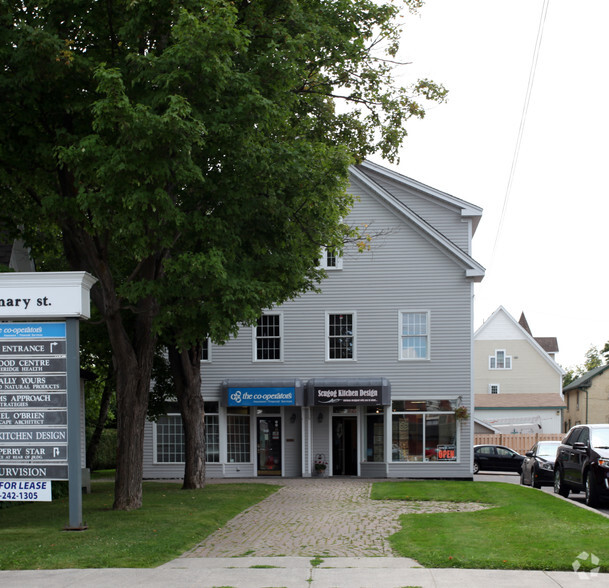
pixel 467 208
pixel 543 345
pixel 548 344
pixel 473 270
pixel 585 380
pixel 525 400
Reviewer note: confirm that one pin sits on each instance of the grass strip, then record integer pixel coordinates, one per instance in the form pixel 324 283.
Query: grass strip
pixel 522 529
pixel 170 522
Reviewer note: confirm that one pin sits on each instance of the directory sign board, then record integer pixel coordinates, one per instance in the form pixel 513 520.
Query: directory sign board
pixel 33 401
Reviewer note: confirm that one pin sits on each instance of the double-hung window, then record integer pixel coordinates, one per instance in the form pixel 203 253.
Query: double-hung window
pixel 206 350
pixel 330 259
pixel 340 336
pixel 267 338
pixel 500 361
pixel 414 335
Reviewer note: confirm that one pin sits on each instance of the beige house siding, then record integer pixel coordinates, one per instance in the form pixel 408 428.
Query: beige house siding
pixel 530 372
pixel 588 405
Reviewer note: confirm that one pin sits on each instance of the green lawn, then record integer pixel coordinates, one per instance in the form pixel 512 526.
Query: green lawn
pixel 170 522
pixel 523 529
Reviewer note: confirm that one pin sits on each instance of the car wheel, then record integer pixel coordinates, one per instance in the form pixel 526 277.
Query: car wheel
pixel 476 467
pixel 559 485
pixel 592 497
pixel 535 479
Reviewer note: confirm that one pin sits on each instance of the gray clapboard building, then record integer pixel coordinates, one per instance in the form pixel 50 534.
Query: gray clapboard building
pixel 364 378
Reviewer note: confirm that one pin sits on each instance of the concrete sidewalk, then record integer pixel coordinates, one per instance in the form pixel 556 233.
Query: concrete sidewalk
pixel 298 572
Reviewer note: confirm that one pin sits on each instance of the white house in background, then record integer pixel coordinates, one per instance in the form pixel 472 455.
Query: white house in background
pixel 517 382
pixel 364 376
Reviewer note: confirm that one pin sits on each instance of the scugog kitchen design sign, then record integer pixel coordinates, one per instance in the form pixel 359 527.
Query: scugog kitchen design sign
pixel 345 395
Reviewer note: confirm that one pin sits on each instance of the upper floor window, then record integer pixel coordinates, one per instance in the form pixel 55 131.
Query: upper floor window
pixel 500 361
pixel 340 336
pixel 206 350
pixel 267 338
pixel 330 259
pixel 414 335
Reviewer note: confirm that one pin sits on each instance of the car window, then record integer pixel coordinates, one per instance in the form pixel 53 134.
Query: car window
pixel 485 450
pixel 502 452
pixel 585 436
pixel 573 437
pixel 547 450
pixel 600 438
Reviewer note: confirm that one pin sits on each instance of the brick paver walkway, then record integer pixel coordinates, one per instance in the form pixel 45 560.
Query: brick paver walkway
pixel 309 517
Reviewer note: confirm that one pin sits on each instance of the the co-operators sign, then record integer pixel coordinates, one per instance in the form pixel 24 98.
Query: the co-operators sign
pixel 33 401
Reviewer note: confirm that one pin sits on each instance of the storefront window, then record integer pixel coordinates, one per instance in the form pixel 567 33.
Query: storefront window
pixel 426 435
pixel 375 433
pixel 212 432
pixel 238 435
pixel 170 437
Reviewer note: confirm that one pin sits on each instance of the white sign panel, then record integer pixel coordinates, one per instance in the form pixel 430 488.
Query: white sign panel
pixel 25 490
pixel 42 295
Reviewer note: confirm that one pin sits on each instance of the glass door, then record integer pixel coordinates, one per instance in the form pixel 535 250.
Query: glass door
pixel 269 446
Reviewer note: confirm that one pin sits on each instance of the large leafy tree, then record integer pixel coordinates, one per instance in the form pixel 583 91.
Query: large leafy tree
pixel 191 156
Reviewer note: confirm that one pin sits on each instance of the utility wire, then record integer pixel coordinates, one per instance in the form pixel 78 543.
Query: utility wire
pixel 523 117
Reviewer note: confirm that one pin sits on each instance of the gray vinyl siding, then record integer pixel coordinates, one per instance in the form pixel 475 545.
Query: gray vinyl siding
pixel 443 216
pixel 404 270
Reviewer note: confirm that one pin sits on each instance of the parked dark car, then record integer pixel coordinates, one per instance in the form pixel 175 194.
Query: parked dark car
pixel 582 463
pixel 538 464
pixel 496 458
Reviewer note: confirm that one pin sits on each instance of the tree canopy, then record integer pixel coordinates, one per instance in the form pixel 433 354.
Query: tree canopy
pixel 192 156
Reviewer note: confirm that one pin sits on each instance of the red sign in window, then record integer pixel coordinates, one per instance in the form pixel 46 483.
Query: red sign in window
pixel 447 453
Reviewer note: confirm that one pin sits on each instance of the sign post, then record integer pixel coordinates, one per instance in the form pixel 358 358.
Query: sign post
pixel 40 399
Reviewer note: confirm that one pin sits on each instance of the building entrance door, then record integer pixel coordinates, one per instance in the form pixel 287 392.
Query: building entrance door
pixel 269 446
pixel 344 446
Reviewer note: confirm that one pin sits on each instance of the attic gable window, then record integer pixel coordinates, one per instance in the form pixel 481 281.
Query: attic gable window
pixel 500 361
pixel 330 259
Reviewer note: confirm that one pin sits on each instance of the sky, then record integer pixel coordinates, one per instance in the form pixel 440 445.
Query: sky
pixel 543 241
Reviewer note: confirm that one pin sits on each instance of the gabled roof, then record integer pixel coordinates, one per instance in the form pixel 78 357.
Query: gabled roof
pixel 525 400
pixel 467 208
pixel 473 270
pixel 526 335
pixel 585 380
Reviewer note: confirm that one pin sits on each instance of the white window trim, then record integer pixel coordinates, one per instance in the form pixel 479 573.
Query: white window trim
pixel 400 320
pixel 155 444
pixel 491 386
pixel 327 335
pixel 207 343
pixel 323 261
pixel 254 340
pixel 506 357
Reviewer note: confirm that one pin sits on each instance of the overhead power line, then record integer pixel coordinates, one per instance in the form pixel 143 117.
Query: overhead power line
pixel 523 118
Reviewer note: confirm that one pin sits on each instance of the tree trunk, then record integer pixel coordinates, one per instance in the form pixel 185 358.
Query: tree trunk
pixel 186 370
pixel 101 418
pixel 133 341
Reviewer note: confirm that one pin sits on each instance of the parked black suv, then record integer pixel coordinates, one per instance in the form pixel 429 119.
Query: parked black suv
pixel 582 463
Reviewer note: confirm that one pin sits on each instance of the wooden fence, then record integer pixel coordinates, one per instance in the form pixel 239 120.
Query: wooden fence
pixel 520 443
